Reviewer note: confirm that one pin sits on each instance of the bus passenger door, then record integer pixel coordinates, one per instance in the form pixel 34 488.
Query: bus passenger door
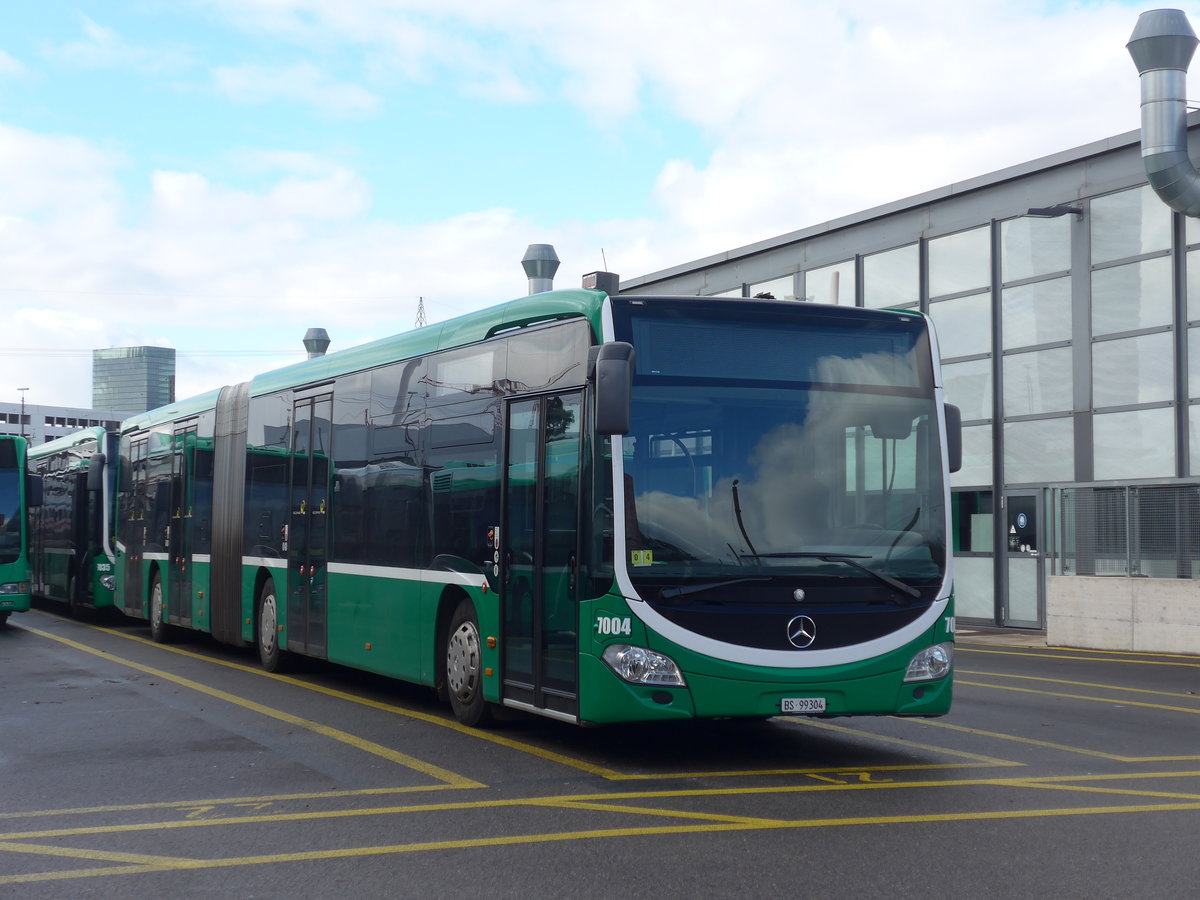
pixel 132 529
pixel 307 529
pixel 539 547
pixel 179 577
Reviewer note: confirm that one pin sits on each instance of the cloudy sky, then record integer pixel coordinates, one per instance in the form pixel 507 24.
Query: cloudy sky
pixel 219 175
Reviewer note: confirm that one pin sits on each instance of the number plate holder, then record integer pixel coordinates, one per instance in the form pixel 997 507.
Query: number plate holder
pixel 801 706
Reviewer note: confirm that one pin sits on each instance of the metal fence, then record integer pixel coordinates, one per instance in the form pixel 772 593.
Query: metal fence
pixel 1148 530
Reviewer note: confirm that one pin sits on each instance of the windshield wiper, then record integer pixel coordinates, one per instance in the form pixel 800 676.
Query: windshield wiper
pixel 697 588
pixel 849 559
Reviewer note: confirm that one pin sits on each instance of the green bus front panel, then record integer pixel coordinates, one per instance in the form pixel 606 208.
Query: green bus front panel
pixel 102 597
pixel 721 689
pixel 15 574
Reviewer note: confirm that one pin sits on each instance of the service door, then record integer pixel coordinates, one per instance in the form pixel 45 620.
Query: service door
pixel 179 562
pixel 308 529
pixel 540 548
pixel 1025 557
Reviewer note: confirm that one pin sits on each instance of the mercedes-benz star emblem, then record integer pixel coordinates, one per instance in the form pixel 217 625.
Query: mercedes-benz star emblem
pixel 801 631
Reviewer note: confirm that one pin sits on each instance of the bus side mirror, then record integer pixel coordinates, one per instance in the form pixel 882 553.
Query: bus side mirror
pixel 33 490
pixel 124 478
pixel 953 437
pixel 614 387
pixel 95 482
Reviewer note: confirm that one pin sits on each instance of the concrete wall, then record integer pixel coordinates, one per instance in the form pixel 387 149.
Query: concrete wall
pixel 1155 615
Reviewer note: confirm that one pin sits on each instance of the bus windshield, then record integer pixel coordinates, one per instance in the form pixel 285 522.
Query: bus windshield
pixel 11 521
pixel 785 442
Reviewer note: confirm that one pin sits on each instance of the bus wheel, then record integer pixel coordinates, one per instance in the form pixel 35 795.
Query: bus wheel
pixel 464 666
pixel 73 608
pixel 158 622
pixel 3 619
pixel 269 652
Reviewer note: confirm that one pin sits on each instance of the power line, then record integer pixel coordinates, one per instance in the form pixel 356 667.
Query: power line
pixel 279 295
pixel 59 352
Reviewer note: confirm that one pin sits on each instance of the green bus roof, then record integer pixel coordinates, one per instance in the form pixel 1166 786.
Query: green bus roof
pixel 466 329
pixel 458 332
pixel 74 439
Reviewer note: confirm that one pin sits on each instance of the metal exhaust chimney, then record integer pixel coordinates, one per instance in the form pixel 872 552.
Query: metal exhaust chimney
pixel 1162 45
pixel 316 342
pixel 540 263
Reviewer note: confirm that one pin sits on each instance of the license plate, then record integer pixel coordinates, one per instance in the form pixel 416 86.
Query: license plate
pixel 802 705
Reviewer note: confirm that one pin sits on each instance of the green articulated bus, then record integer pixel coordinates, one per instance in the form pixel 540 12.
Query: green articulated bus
pixel 595 508
pixel 70 551
pixel 19 492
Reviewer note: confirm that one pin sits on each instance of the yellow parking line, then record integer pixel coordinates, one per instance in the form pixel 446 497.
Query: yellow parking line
pixel 842 729
pixel 439 721
pixel 140 859
pixel 598 834
pixel 410 762
pixel 1122 702
pixel 1185 661
pixel 1051 745
pixel 1088 684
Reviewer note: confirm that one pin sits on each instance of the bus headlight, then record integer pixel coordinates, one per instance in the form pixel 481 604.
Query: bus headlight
pixel 15 587
pixel 637 665
pixel 108 582
pixel 932 662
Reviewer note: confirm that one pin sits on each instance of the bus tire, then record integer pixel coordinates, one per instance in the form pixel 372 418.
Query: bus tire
pixel 463 666
pixel 3 619
pixel 266 633
pixel 159 629
pixel 73 607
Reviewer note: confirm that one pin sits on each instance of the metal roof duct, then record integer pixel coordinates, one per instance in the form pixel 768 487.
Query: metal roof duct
pixel 540 263
pixel 1162 45
pixel 316 342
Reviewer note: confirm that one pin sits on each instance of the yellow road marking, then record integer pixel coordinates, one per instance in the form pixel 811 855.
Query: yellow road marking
pixel 1124 792
pixel 597 834
pixel 1137 703
pixel 579 799
pixel 1088 684
pixel 1051 745
pixel 1157 661
pixel 842 729
pixel 225 801
pixel 142 859
pixel 403 759
pixel 520 746
pixel 665 813
pixel 440 721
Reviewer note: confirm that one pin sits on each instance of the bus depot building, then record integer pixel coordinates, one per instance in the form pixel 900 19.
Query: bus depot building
pixel 1066 297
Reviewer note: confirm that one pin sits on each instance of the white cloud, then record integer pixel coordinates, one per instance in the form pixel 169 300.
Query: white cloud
pixel 811 111
pixel 104 48
pixel 9 65
pixel 303 82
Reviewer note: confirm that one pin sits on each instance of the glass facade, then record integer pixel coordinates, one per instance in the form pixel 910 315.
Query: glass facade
pixel 1069 341
pixel 133 379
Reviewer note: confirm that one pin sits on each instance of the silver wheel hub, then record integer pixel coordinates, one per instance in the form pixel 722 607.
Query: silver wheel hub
pixel 462 661
pixel 268 623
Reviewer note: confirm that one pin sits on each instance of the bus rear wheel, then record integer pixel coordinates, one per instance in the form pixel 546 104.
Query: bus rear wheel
pixel 463 666
pixel 159 629
pixel 270 654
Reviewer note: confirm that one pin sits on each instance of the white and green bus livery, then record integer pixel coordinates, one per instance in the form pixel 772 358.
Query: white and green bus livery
pixel 595 508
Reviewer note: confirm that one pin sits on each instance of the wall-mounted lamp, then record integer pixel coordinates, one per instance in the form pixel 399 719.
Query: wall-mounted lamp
pixel 1053 212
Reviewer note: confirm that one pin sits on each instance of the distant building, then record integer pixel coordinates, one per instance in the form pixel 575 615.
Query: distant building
pixel 133 378
pixel 45 423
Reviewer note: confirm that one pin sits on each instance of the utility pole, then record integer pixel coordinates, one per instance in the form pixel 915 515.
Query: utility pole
pixel 23 390
pixel 421 320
